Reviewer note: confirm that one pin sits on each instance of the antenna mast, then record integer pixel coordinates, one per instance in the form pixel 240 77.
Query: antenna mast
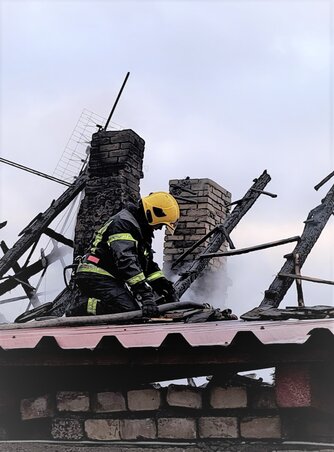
pixel 116 101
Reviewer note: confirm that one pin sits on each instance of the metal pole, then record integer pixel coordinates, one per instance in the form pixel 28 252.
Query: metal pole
pixel 326 179
pixel 116 101
pixel 37 173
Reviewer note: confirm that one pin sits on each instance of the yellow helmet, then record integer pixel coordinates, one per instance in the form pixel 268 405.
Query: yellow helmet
pixel 161 208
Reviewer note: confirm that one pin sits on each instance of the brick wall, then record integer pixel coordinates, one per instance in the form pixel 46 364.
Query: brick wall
pixel 114 172
pixel 175 412
pixel 231 414
pixel 203 205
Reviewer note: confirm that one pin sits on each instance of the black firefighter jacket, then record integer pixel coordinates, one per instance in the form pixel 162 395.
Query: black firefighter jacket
pixel 122 249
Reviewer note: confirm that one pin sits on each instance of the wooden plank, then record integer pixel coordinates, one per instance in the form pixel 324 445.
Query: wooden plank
pixel 26 286
pixel 300 297
pixel 305 278
pixel 263 246
pixel 12 282
pixel 59 237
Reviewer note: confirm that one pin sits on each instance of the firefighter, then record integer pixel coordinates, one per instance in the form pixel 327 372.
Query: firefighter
pixel 119 270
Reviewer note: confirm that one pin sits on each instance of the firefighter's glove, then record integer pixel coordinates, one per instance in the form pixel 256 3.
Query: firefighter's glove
pixel 163 286
pixel 143 293
pixel 150 309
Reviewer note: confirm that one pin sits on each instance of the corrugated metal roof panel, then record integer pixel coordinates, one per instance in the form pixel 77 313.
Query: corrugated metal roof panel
pixel 153 334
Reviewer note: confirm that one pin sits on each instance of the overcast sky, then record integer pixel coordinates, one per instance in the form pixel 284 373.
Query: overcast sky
pixel 218 89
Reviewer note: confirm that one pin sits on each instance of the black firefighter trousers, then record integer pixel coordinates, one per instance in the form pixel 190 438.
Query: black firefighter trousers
pixel 110 296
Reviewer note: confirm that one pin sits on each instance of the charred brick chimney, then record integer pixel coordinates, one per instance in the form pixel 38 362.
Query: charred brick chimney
pixel 114 173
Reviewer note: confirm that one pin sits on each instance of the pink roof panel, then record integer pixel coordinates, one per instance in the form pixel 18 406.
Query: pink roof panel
pixel 153 334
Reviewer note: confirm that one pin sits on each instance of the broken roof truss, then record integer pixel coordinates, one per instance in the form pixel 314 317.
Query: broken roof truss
pixel 290 272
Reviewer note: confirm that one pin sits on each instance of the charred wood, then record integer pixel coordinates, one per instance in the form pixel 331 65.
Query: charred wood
pixel 219 236
pixel 314 224
pixel 40 224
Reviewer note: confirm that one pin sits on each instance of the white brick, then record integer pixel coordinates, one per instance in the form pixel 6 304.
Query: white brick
pixel 109 402
pixel 103 429
pixel 144 399
pixel 138 429
pixel 231 397
pixel 261 427
pixel 183 396
pixel 218 427
pixel 177 428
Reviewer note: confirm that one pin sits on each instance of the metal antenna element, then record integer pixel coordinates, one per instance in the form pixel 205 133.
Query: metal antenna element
pixel 116 101
pixel 326 179
pixel 37 173
pixel 75 154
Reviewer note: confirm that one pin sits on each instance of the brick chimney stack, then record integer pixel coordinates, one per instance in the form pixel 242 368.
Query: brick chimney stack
pixel 203 205
pixel 114 173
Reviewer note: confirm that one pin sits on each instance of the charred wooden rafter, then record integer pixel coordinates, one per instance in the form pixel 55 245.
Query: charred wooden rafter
pixel 219 235
pixel 19 279
pixel 32 233
pixel 58 237
pixel 250 249
pixel 24 274
pixel 28 240
pixel 314 224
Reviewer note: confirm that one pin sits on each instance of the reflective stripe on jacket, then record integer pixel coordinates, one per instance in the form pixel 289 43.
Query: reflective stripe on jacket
pixel 122 248
pixel 155 275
